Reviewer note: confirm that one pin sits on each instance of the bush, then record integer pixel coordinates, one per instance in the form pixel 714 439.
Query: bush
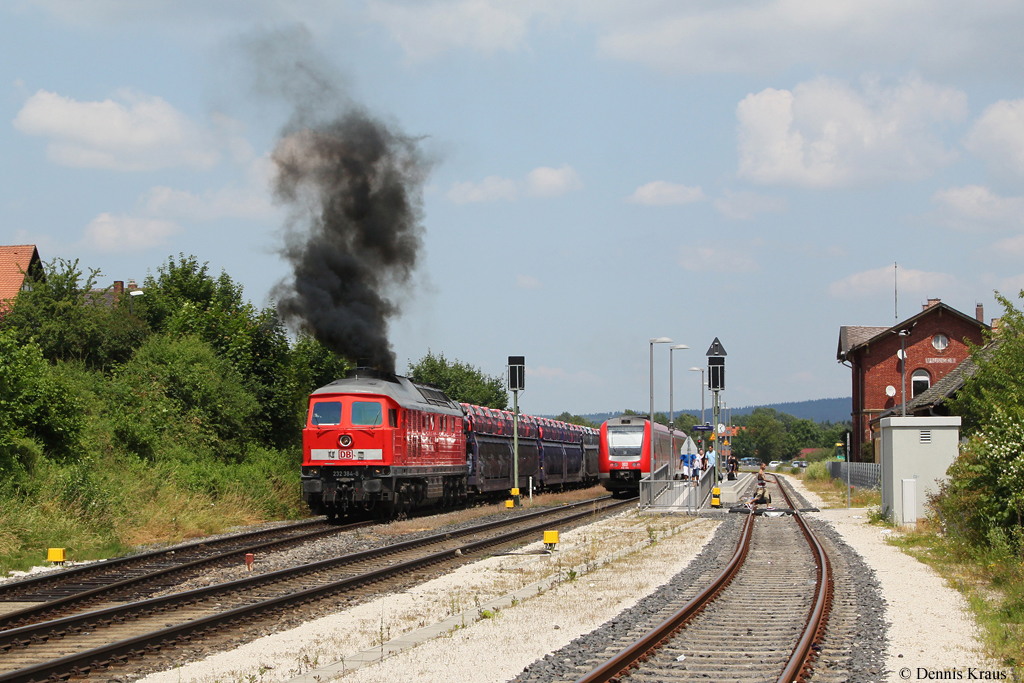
pixel 180 388
pixel 984 494
pixel 817 471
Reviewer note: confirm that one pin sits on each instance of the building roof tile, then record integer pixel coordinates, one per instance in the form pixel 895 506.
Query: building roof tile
pixel 14 263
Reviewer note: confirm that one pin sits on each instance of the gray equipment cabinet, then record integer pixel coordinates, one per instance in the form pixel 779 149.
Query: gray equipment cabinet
pixel 916 452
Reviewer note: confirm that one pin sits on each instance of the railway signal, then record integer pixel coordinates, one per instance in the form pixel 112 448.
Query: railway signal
pixel 517 383
pixel 716 382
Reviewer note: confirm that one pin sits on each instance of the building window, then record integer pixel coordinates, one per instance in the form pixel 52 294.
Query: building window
pixel 920 381
pixel 940 342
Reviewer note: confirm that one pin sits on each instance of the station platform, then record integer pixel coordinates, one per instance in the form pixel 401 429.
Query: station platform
pixel 684 497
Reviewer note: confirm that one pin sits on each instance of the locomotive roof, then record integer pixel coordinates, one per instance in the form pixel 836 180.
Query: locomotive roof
pixel 402 390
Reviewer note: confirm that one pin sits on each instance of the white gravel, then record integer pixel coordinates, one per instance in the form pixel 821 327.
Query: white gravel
pixel 514 638
pixel 930 626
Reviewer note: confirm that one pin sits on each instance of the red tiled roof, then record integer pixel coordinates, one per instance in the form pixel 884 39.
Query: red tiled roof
pixel 14 263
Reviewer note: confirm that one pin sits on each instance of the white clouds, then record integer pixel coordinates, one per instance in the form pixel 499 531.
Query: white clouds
pixel 662 193
pixel 744 206
pixel 824 133
pixel 138 133
pixel 880 281
pixel 997 137
pixel 771 35
pixel 490 189
pixel 226 202
pixel 527 282
pixel 425 29
pixel 1011 247
pixel 974 207
pixel 540 182
pixel 122 233
pixel 552 182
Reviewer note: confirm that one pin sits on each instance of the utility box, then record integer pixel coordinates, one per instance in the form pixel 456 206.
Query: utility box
pixel 916 451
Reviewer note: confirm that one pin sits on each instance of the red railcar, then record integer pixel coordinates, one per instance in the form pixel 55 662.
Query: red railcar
pixel 624 455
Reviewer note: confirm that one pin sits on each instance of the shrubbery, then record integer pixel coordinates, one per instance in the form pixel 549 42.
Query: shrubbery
pixel 118 429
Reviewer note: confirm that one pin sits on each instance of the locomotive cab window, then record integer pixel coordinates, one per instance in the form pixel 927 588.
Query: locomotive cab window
pixel 393 417
pixel 367 414
pixel 625 442
pixel 326 413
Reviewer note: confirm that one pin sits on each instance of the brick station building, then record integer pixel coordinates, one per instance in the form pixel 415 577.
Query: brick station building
pixel 935 346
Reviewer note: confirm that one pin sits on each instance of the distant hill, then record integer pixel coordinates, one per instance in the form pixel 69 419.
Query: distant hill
pixel 819 410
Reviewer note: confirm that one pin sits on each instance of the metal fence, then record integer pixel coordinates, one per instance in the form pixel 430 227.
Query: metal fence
pixel 660 492
pixel 864 475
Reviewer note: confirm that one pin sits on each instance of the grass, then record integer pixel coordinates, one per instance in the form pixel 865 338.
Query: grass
pixel 991 579
pixel 833 491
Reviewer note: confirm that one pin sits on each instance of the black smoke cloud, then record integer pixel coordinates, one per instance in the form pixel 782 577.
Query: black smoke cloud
pixel 354 184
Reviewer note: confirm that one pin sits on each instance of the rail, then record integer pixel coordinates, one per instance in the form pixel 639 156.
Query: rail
pixel 82 663
pixel 797 666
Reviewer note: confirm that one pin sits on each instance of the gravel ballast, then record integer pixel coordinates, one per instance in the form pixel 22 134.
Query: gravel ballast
pixel 904 615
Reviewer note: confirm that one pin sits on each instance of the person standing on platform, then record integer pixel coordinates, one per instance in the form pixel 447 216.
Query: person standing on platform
pixel 686 462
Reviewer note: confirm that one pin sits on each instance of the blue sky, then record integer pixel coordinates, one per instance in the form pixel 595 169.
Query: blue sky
pixel 606 172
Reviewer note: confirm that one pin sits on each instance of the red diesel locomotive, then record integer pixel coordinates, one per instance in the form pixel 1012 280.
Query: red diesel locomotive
pixel 383 443
pixel 625 452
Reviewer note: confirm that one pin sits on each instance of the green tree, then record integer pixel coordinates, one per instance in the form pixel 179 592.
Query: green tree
pixel 999 379
pixel 576 420
pixel 69 321
pixel 460 381
pixel 179 390
pixel 184 299
pixel 37 409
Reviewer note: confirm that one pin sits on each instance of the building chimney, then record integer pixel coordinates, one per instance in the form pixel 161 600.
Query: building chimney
pixel 931 302
pixel 996 324
pixel 979 313
pixel 132 285
pixel 118 286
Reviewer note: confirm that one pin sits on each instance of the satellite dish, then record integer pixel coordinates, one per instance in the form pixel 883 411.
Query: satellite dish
pixel 890 391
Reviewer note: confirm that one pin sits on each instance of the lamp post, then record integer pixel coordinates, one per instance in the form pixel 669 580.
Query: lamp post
pixel 904 333
pixel 658 340
pixel 131 300
pixel 671 405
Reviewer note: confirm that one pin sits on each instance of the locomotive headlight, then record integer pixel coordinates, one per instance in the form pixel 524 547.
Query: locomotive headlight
pixel 345 441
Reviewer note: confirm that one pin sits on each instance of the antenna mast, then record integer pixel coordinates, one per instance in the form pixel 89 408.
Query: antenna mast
pixel 895 294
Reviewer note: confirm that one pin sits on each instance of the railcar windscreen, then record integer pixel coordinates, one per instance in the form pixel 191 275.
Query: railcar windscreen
pixel 625 441
pixel 367 414
pixel 327 413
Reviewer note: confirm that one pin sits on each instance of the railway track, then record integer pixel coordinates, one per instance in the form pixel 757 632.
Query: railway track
pixel 82 644
pixel 762 618
pixel 86 577
pixel 132 579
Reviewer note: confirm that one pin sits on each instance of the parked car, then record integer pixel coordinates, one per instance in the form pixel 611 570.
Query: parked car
pixel 799 463
pixel 774 463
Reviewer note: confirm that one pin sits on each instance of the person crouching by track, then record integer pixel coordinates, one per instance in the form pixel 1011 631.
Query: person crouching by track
pixel 761 495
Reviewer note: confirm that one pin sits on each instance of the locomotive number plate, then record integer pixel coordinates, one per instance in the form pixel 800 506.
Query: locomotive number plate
pixel 346 454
